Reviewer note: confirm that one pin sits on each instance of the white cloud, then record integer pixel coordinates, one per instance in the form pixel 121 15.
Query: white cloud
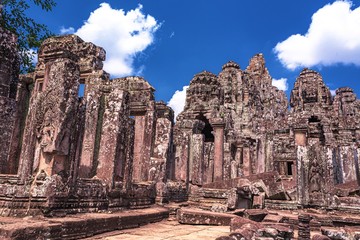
pixel 69 30
pixel 172 35
pixel 122 34
pixel 281 83
pixel 333 92
pixel 32 54
pixel 333 37
pixel 177 101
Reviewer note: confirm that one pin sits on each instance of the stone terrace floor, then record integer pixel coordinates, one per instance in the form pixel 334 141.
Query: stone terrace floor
pixel 166 229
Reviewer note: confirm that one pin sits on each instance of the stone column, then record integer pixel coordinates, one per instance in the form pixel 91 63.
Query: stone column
pixel 182 153
pixel 149 135
pixel 197 147
pixel 50 122
pixel 260 166
pixel 357 164
pixel 160 166
pixel 218 127
pixel 22 98
pixel 235 164
pixel 111 154
pixel 304 226
pixel 93 123
pixel 301 166
pixel 246 160
pixel 9 70
pixel 138 147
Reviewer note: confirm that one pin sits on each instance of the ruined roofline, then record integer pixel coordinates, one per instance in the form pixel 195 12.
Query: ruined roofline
pixel 344 89
pixel 73 45
pixel 230 64
pixel 308 71
pixel 205 77
pixel 125 81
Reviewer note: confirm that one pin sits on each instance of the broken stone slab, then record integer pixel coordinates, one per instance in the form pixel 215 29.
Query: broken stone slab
pixel 268 232
pixel 256 215
pixel 285 231
pixel 230 183
pixel 247 231
pixel 238 222
pixel 273 183
pixel 273 218
pixel 320 237
pixel 259 201
pixel 202 217
pixel 78 226
pixel 335 233
pixel 224 238
pixel 346 189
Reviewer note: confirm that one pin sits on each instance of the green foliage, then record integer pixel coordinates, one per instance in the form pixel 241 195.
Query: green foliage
pixel 30 33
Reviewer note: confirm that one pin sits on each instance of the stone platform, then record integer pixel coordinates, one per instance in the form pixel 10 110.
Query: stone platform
pixel 166 229
pixel 78 226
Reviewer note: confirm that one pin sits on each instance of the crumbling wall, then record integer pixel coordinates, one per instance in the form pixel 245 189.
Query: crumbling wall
pixel 235 113
pixel 9 70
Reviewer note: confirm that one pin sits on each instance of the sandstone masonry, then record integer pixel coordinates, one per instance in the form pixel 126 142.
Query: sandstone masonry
pixel 73 140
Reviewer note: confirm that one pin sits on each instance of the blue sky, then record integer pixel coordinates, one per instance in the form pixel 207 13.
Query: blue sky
pixel 168 41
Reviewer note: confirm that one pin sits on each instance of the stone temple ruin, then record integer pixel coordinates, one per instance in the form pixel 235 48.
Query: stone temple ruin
pixel 238 154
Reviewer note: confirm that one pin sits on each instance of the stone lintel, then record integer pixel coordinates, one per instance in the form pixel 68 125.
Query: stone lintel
pixel 53 55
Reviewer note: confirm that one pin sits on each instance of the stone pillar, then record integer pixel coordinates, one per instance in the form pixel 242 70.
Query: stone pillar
pixel 236 163
pixel 111 153
pixel 260 152
pixel 357 164
pixel 9 70
pixel 181 161
pixel 348 158
pixel 302 175
pixel 50 122
pixel 22 99
pixel 304 227
pixel 302 163
pixel 95 107
pixel 138 147
pixel 246 160
pixel 160 167
pixel 148 142
pixel 197 150
pixel 130 135
pixel 218 127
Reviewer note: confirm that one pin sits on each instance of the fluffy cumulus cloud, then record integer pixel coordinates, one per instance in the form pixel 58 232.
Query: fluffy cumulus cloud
pixel 69 30
pixel 281 83
pixel 333 37
pixel 177 101
pixel 122 34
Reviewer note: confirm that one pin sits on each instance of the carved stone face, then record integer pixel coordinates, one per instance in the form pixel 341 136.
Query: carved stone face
pixel 310 95
pixel 348 97
pixel 47 138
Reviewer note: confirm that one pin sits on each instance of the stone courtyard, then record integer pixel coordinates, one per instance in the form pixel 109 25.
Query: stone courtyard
pixel 240 161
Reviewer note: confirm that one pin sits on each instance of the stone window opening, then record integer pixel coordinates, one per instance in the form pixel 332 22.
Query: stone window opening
pixel 40 86
pixel 207 130
pixel 289 170
pixel 314 119
pixel 81 91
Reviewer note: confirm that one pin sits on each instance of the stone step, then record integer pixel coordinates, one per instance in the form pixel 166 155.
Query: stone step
pixel 78 226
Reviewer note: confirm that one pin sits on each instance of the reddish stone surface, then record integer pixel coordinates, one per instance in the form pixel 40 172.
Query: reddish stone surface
pixel 235 146
pixel 200 217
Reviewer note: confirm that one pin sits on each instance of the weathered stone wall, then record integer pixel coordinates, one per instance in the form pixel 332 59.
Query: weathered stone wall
pixel 116 147
pixel 314 146
pixel 106 149
pixel 9 70
pixel 235 112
